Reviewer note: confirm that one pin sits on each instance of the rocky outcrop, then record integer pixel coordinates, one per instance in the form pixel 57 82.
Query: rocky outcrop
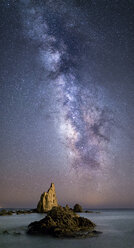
pixel 47 200
pixel 5 212
pixel 77 208
pixel 62 222
pixel 22 211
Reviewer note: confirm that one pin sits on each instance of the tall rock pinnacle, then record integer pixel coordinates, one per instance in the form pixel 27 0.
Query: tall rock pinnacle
pixel 47 200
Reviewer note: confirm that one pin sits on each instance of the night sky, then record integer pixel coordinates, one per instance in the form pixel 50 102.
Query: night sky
pixel 67 102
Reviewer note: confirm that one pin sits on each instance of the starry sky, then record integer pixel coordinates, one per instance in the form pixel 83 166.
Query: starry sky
pixel 67 102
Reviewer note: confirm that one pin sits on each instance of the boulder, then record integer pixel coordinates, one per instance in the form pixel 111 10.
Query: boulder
pixel 62 222
pixel 47 200
pixel 77 208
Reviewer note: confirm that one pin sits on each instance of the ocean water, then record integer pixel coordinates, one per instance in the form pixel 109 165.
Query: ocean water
pixel 117 227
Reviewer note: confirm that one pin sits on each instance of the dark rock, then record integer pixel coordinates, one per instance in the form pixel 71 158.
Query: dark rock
pixel 5 232
pixel 4 212
pixel 91 212
pixel 77 208
pixel 34 210
pixel 10 213
pixel 62 222
pixel 26 211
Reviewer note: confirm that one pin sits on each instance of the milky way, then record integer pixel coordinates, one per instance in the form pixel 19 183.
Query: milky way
pixel 84 122
pixel 67 98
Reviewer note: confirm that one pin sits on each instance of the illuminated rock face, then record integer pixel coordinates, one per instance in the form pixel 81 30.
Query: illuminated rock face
pixel 47 200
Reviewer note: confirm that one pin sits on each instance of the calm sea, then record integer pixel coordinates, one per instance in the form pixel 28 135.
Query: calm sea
pixel 117 227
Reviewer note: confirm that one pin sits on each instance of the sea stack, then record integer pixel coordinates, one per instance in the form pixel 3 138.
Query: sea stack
pixel 48 200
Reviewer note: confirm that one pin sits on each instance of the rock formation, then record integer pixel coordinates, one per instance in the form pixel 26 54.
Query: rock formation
pixel 47 200
pixel 5 212
pixel 62 222
pixel 77 208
